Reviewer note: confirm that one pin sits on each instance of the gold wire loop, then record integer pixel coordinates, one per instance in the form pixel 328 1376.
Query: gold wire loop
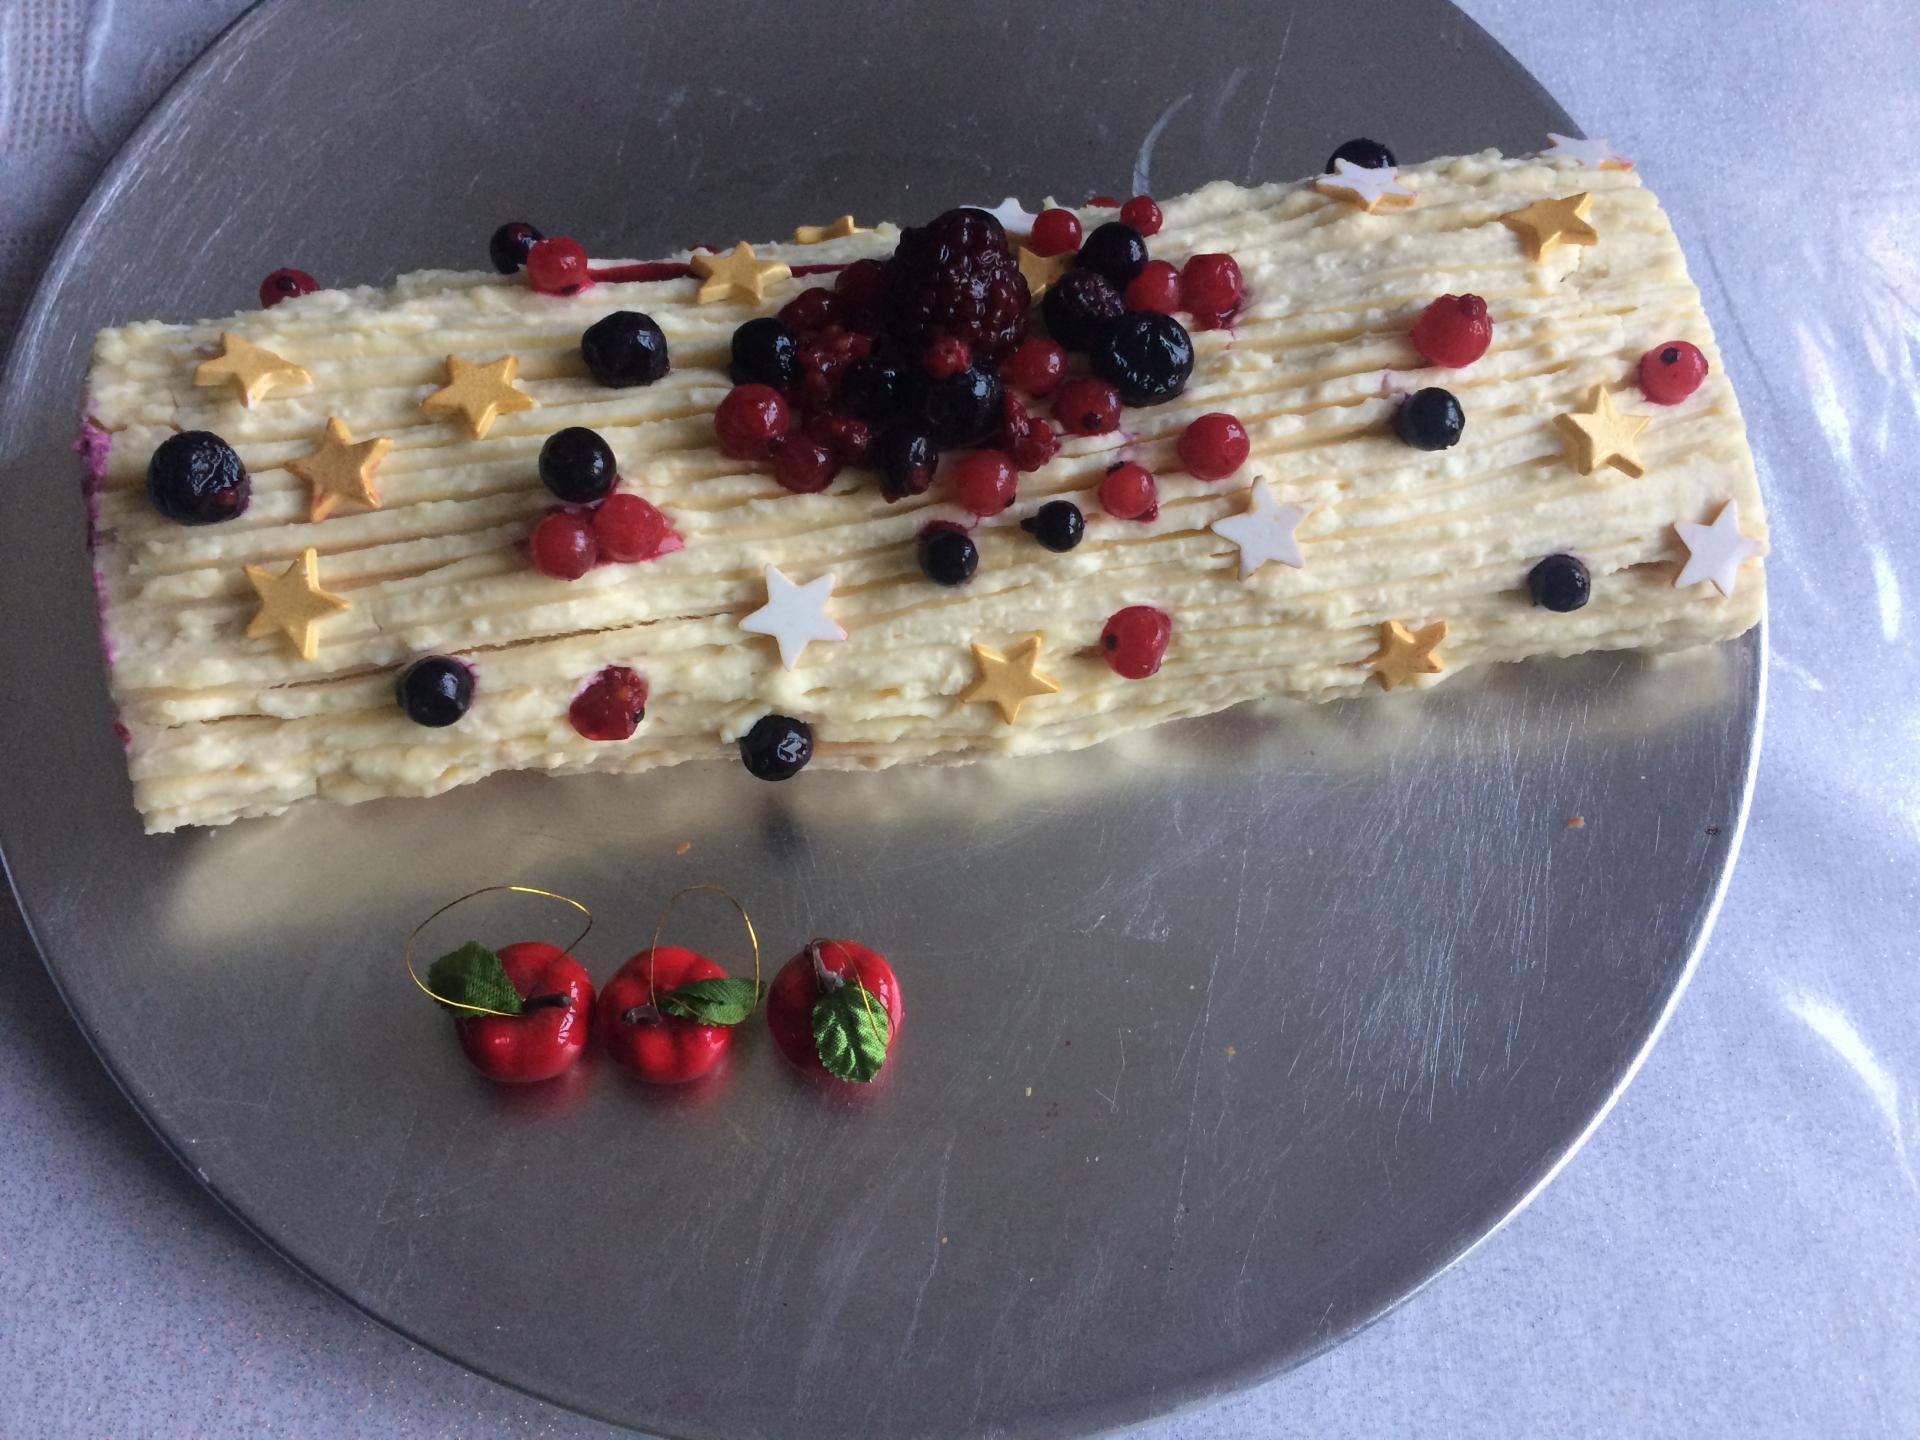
pixel 414 934
pixel 653 945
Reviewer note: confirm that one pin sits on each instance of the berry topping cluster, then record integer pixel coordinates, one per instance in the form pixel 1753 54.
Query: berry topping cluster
pixel 594 526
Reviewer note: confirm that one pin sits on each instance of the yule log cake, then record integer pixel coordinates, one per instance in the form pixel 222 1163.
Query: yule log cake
pixel 995 485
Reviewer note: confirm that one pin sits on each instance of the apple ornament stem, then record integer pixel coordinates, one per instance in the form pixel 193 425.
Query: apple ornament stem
pixel 834 1009
pixel 521 1013
pixel 670 1013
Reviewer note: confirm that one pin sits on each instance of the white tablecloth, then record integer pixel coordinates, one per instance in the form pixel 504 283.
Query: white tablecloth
pixel 1734 1254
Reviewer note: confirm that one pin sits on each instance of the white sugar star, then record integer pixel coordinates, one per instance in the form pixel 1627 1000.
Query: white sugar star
pixel 1588 152
pixel 1715 552
pixel 1366 188
pixel 1263 531
pixel 1013 217
pixel 793 615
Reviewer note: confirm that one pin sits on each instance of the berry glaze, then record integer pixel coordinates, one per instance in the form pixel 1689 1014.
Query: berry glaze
pixel 680 270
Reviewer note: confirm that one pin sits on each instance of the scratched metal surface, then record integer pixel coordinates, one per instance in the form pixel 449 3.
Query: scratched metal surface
pixel 1220 1040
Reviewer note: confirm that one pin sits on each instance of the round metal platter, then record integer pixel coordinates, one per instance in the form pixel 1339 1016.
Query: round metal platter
pixel 1220 1040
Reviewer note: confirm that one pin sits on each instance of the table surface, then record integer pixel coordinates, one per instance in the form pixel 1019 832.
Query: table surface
pixel 1732 1254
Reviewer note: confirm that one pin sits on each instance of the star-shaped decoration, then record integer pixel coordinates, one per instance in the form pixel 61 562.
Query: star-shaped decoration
pixel 1602 435
pixel 341 469
pixel 834 230
pixel 793 615
pixel 1368 189
pixel 1599 154
pixel 739 275
pixel 1715 552
pixel 1014 217
pixel 1009 680
pixel 249 369
pixel 479 394
pixel 1405 653
pixel 1264 530
pixel 292 603
pixel 1042 270
pixel 1547 223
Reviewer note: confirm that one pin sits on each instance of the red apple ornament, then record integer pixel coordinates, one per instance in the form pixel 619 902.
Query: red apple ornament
pixel 834 1009
pixel 545 994
pixel 669 1014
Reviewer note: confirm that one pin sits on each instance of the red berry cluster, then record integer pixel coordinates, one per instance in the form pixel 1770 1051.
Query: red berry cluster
pixel 623 529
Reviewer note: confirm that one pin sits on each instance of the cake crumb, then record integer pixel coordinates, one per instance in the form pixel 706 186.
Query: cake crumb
pixel 1576 822
pixel 683 847
pixel 1029 1092
pixel 1230 1052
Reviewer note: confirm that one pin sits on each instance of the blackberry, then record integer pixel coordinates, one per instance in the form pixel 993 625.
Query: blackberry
pixel 1079 306
pixel 1146 356
pixel 961 409
pixel 625 348
pixel 955 278
pixel 765 353
pixel 1116 250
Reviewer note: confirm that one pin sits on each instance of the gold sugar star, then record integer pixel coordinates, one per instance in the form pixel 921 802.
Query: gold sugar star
pixel 1009 680
pixel 293 603
pixel 741 275
pixel 1602 435
pixel 1547 223
pixel 249 369
pixel 1042 270
pixel 341 469
pixel 838 230
pixel 1405 653
pixel 479 394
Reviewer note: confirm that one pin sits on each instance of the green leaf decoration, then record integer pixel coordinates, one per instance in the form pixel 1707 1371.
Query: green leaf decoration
pixel 725 1001
pixel 850 1032
pixel 473 975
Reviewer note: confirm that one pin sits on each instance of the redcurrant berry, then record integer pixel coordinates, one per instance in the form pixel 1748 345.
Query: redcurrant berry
pixel 1210 284
pixel 751 421
pixel 1214 446
pixel 629 529
pixel 811 310
pixel 984 482
pixel 1453 331
pixel 1055 232
pixel 848 440
pixel 1142 214
pixel 1134 640
pixel 1671 372
pixel 611 706
pixel 563 546
pixel 1087 407
pixel 1128 492
pixel 558 266
pixel 1102 202
pixel 944 357
pixel 284 285
pixel 804 466
pixel 1037 367
pixel 1156 287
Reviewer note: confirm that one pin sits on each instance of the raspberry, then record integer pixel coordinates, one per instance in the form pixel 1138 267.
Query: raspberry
pixel 751 421
pixel 955 278
pixel 1142 214
pixel 1671 372
pixel 611 707
pixel 1156 287
pixel 558 266
pixel 945 357
pixel 1214 446
pixel 1128 492
pixel 823 359
pixel 562 545
pixel 1210 285
pixel 984 482
pixel 1453 331
pixel 861 289
pixel 1037 367
pixel 1088 407
pixel 630 529
pixel 812 310
pixel 1134 640
pixel 1031 442
pixel 804 466
pixel 284 285
pixel 1055 232
pixel 849 440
